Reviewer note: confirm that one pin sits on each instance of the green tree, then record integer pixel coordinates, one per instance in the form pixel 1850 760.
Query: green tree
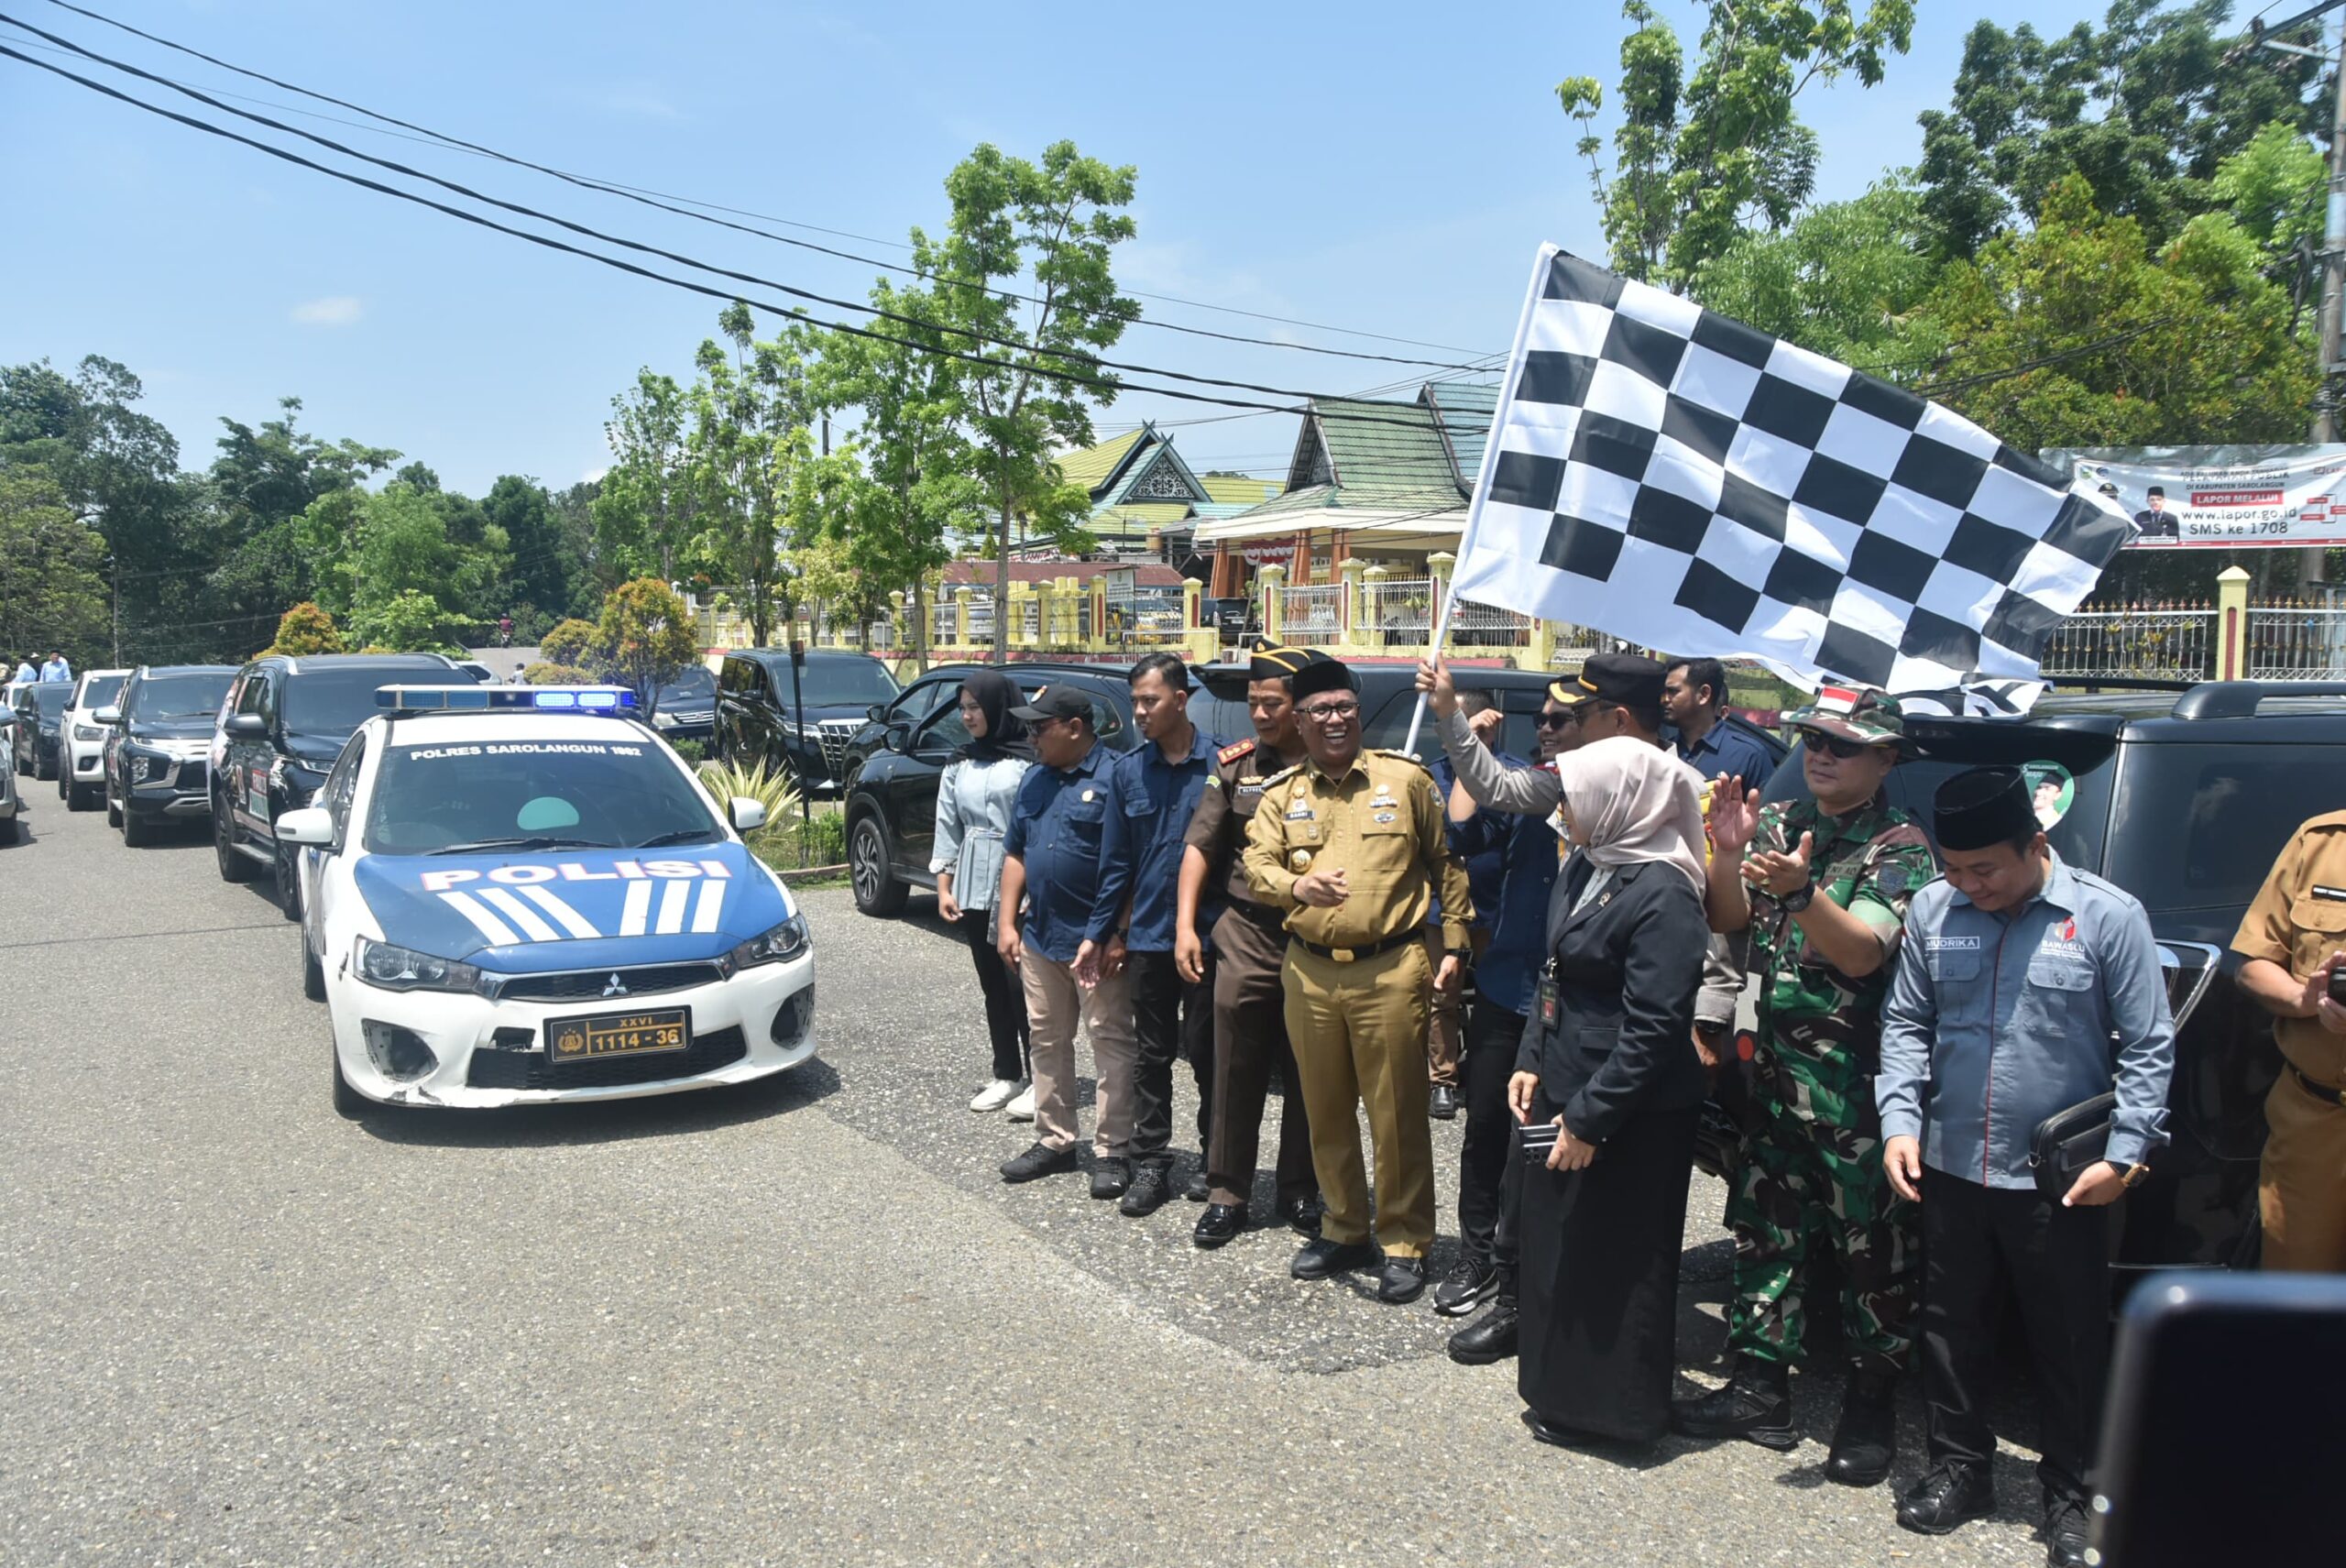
pixel 2144 109
pixel 408 621
pixel 546 561
pixel 1699 159
pixel 1051 225
pixel 306 629
pixel 647 635
pixel 2273 188
pixel 643 506
pixel 1844 278
pixel 752 451
pixel 51 595
pixel 572 644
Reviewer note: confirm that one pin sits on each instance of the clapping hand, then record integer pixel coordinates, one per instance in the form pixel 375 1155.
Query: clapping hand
pixel 1781 872
pixel 1735 815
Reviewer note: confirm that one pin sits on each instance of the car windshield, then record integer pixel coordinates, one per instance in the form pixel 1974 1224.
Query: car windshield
pixel 694 688
pixel 521 794
pixel 333 700
pixel 187 694
pixel 838 682
pixel 99 690
pixel 51 698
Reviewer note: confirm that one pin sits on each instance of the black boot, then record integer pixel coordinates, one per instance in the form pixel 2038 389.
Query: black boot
pixel 1492 1336
pixel 1865 1440
pixel 1756 1405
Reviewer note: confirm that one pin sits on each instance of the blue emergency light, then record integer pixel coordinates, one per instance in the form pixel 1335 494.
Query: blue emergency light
pixel 396 700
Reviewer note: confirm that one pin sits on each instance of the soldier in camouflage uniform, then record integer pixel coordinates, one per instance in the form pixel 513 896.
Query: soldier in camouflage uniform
pixel 1823 886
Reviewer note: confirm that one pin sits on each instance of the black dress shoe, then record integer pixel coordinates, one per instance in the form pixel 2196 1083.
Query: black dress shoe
pixel 1946 1497
pixel 1109 1177
pixel 1549 1432
pixel 1301 1214
pixel 1866 1442
pixel 1402 1280
pixel 1462 1290
pixel 1442 1105
pixel 1322 1258
pixel 1197 1190
pixel 1151 1186
pixel 2064 1532
pixel 1488 1338
pixel 1756 1405
pixel 1040 1160
pixel 1219 1224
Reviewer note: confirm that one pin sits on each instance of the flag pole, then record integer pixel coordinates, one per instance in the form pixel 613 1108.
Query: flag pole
pixel 1539 266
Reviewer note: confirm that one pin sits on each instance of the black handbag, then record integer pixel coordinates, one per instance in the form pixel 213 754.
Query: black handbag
pixel 2068 1141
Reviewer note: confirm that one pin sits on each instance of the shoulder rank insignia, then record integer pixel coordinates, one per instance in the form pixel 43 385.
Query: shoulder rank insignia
pixel 1231 753
pixel 1285 773
pixel 1408 757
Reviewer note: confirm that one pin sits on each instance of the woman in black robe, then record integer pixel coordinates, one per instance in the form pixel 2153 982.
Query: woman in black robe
pixel 1608 1060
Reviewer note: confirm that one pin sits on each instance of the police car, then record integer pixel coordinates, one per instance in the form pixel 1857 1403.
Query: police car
pixel 518 893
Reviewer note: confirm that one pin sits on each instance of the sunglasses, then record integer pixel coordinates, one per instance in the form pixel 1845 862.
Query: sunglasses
pixel 1833 745
pixel 1558 719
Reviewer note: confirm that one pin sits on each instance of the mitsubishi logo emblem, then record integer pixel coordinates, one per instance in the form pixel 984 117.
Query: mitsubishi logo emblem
pixel 615 986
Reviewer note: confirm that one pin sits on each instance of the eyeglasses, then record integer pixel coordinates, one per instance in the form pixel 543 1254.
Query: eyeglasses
pixel 1329 713
pixel 1833 745
pixel 1557 718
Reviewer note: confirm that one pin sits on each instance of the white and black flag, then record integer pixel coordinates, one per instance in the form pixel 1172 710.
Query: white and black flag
pixel 1678 479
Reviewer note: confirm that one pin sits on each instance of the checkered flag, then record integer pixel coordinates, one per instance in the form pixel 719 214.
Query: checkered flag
pixel 1661 473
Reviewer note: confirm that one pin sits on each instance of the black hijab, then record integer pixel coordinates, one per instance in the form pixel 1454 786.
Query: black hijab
pixel 1006 736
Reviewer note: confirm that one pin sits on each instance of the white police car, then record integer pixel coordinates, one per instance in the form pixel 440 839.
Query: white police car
pixel 513 894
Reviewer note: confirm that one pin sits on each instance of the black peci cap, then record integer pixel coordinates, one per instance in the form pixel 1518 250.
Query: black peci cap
pixel 1983 806
pixel 1325 675
pixel 1272 660
pixel 1630 679
pixel 1055 702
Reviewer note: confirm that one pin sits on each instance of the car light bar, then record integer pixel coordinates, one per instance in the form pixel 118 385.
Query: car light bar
pixel 503 699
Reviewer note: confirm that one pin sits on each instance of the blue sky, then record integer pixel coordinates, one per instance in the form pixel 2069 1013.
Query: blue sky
pixel 1353 165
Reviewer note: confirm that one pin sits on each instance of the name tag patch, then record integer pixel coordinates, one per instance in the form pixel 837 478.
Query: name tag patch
pixel 1300 814
pixel 1952 944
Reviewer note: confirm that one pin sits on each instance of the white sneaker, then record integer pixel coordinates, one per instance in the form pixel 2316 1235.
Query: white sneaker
pixel 1023 1108
pixel 995 1095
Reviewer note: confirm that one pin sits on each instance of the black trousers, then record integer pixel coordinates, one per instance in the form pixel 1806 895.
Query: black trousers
pixel 1977 1239
pixel 1171 1018
pixel 1490 1173
pixel 1006 1001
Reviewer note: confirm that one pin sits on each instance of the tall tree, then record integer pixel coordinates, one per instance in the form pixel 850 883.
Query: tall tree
pixel 1699 159
pixel 752 447
pixel 643 506
pixel 1050 226
pixel 51 596
pixel 545 559
pixel 1844 278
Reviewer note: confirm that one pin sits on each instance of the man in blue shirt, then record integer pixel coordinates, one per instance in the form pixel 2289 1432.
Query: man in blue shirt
pixel 1051 861
pixel 2016 973
pixel 1694 698
pixel 25 674
pixel 57 669
pixel 1152 791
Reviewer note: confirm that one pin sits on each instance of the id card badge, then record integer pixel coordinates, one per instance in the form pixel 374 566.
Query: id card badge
pixel 1550 1009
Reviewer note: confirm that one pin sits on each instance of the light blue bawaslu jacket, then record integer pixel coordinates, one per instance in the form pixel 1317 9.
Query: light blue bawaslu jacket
pixel 973 802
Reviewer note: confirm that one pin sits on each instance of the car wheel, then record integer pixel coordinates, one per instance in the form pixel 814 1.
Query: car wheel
pixel 136 831
pixel 314 981
pixel 877 892
pixel 289 885
pixel 44 770
pixel 234 867
pixel 9 831
pixel 78 797
pixel 113 812
pixel 16 756
pixel 348 1101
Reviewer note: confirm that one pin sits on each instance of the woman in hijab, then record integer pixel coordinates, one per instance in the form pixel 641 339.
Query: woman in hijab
pixel 973 802
pixel 1607 1069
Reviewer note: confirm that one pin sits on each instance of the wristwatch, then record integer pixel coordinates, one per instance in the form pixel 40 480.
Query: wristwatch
pixel 2132 1175
pixel 1799 898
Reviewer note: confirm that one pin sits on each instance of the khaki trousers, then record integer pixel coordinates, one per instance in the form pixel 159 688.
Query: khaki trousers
pixel 1055 1006
pixel 2302 1193
pixel 1446 1017
pixel 1359 1033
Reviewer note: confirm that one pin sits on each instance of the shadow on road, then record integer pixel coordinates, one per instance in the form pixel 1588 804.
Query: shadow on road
pixel 617 1121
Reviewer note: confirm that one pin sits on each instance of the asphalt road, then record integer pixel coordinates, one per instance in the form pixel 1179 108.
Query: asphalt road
pixel 802 1322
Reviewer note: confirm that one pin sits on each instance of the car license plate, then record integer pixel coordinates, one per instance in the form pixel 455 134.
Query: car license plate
pixel 619 1035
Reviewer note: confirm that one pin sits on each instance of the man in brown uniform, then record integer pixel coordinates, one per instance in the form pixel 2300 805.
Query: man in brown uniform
pixel 2292 938
pixel 1250 944
pixel 1352 845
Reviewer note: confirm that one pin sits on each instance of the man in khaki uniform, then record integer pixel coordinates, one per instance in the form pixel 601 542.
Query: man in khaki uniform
pixel 1351 844
pixel 2292 938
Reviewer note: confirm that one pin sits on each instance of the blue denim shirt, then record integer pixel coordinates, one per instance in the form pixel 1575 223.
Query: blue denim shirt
pixel 1485 862
pixel 1995 1022
pixel 1726 750
pixel 1055 827
pixel 1530 858
pixel 1150 802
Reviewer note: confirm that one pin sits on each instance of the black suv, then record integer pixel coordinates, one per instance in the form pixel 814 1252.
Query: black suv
pixel 686 709
pixel 39 707
pixel 758 718
pixel 284 723
pixel 159 757
pixel 891 793
pixel 2184 801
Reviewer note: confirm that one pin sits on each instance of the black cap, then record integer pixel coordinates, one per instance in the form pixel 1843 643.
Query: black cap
pixel 1273 661
pixel 1630 679
pixel 1055 702
pixel 1983 806
pixel 1323 675
pixel 2159 490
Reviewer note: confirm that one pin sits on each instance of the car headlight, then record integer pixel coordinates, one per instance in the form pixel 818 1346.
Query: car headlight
pixel 785 942
pixel 89 732
pixel 664 719
pixel 144 768
pixel 394 967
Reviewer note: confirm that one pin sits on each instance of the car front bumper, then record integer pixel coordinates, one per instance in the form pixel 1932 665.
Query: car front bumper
pixel 490 1053
pixel 173 801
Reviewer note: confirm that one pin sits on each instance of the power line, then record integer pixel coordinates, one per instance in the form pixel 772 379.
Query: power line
pixel 651 198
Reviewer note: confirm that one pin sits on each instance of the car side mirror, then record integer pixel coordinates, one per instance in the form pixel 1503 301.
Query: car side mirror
pixel 108 715
pixel 875 711
pixel 246 727
pixel 897 737
pixel 746 813
pixel 311 825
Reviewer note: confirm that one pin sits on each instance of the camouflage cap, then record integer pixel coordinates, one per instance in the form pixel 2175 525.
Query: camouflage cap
pixel 1849 713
